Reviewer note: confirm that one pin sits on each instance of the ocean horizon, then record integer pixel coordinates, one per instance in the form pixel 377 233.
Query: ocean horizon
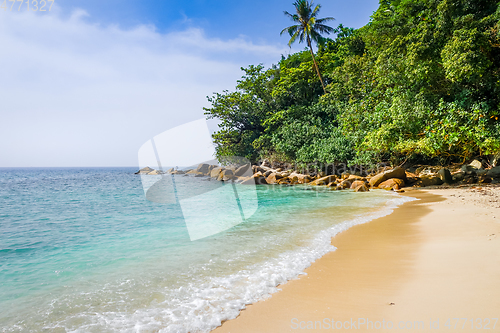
pixel 82 250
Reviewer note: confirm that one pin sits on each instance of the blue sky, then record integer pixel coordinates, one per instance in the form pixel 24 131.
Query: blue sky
pixel 89 82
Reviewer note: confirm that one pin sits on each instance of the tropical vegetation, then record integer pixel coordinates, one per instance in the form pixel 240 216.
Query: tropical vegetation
pixel 419 82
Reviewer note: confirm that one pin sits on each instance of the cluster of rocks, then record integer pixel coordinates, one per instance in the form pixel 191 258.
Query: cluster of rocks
pixel 387 178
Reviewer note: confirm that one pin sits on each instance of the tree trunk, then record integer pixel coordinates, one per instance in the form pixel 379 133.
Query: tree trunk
pixel 316 64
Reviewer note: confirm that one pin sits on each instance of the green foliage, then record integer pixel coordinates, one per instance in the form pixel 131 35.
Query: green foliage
pixel 421 80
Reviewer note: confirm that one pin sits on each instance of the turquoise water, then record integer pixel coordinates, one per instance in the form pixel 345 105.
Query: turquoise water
pixel 82 250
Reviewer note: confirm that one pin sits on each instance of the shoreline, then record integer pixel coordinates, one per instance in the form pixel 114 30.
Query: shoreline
pixel 418 263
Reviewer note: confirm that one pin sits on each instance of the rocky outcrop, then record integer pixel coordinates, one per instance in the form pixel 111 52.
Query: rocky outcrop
pixel 144 171
pixel 273 178
pixel 258 180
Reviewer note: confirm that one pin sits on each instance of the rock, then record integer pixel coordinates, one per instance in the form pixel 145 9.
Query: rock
pixel 268 173
pixel 273 178
pixel 397 172
pixel 485 180
pixel 256 168
pixel 494 172
pixel 259 180
pixel 144 171
pixel 458 176
pixel 284 181
pixel 468 169
pixel 177 172
pixel 302 179
pixel 294 180
pixel 203 168
pixel 392 184
pixel 265 163
pixel 445 175
pixel 476 164
pixel 355 184
pixel 353 178
pixel 215 172
pixel 257 174
pixel 242 170
pixel 428 180
pixel 195 173
pixel 362 188
pixel 225 175
pixel 344 185
pixel 154 173
pixel 324 180
pixel 170 170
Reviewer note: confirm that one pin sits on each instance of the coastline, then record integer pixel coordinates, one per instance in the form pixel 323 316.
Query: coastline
pixel 431 259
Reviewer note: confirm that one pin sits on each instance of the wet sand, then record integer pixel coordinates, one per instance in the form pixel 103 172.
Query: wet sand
pixel 431 260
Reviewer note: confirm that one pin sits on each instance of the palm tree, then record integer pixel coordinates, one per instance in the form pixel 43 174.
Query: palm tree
pixel 308 28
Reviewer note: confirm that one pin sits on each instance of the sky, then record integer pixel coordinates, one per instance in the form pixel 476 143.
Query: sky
pixel 87 83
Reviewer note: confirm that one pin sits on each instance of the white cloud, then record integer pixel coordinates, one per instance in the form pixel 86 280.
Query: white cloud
pixel 80 94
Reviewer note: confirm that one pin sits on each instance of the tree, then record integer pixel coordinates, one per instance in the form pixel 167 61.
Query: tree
pixel 309 28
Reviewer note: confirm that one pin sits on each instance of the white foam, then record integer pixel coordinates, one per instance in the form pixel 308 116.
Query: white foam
pixel 203 306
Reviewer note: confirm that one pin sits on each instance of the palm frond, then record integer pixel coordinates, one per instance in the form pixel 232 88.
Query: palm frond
pixel 323 28
pixel 316 10
pixel 325 19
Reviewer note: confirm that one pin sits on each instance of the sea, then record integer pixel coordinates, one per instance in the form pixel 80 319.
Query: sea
pixel 83 250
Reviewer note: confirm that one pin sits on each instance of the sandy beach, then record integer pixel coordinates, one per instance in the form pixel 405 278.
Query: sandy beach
pixel 432 265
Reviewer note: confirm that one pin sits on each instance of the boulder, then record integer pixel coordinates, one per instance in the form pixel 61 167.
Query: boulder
pixel 256 168
pixel 225 175
pixel 353 178
pixel 494 172
pixel 392 184
pixel 429 180
pixel 445 175
pixel 344 185
pixel 362 188
pixel 273 178
pixel 154 173
pixel 397 172
pixel 177 172
pixel 324 180
pixel 259 180
pixel 268 173
pixel 355 184
pixel 284 181
pixel 242 170
pixel 468 169
pixel 203 168
pixel 144 171
pixel 293 180
pixel 215 172
pixel 170 170
pixel 265 163
pixel 476 164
